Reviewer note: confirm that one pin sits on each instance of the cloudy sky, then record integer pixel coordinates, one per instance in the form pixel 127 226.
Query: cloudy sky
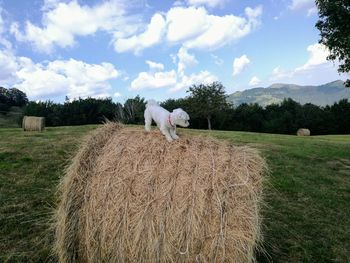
pixel 157 49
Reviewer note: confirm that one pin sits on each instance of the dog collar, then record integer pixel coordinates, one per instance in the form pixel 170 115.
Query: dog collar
pixel 170 121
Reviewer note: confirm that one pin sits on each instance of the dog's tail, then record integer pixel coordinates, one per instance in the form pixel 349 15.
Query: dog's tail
pixel 151 103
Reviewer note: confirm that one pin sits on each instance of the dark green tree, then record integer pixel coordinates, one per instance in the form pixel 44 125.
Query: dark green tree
pixel 171 104
pixel 248 117
pixel 134 109
pixel 76 112
pixel 4 99
pixel 334 26
pixel 17 97
pixel 315 119
pixel 282 118
pixel 208 100
pixel 341 115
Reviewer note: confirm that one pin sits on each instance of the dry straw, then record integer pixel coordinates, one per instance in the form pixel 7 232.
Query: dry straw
pixel 303 132
pixel 31 123
pixel 129 196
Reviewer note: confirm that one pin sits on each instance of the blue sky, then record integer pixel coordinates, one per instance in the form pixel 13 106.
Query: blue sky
pixel 157 49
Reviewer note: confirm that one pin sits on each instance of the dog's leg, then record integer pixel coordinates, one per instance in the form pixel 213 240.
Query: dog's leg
pixel 148 121
pixel 166 133
pixel 173 133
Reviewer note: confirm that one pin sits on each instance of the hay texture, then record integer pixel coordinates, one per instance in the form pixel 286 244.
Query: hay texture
pixel 130 196
pixel 31 123
pixel 303 132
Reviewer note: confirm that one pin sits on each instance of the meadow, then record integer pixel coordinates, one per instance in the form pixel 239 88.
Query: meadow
pixel 307 192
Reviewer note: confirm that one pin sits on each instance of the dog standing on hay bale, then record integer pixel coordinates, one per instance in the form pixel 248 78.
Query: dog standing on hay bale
pixel 130 197
pixel 165 120
pixel 31 123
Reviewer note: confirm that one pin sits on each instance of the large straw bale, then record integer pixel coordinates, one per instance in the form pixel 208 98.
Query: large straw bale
pixel 303 132
pixel 31 123
pixel 130 196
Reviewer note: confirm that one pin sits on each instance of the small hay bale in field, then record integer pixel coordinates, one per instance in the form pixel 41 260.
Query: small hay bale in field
pixel 303 132
pixel 130 196
pixel 31 123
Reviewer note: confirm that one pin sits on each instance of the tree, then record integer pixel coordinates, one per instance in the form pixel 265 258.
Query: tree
pixel 172 104
pixel 208 100
pixel 17 97
pixel 334 25
pixel 134 109
pixel 248 117
pixel 341 115
pixel 4 99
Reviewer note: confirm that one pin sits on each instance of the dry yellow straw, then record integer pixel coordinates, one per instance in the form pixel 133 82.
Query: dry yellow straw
pixel 130 196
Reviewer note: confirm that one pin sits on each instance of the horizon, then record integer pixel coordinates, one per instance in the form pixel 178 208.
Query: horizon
pixel 51 49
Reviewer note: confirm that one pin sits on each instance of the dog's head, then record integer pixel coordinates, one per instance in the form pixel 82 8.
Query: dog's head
pixel 180 117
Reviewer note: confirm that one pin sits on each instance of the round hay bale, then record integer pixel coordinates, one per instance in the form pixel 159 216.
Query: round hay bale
pixel 303 132
pixel 31 123
pixel 130 196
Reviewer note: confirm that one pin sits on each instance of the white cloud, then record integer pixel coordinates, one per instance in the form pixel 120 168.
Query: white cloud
pixel 8 66
pixel 203 77
pixel 218 61
pixel 38 81
pixel 312 11
pixel 318 55
pixel 155 66
pixel 210 3
pixel 205 32
pixel 182 26
pixel 151 36
pixel 184 81
pixel 62 22
pixel 52 4
pixel 222 30
pixel 178 3
pixel 304 5
pixel 66 77
pixel 56 78
pixel 185 60
pixel 3 28
pixel 317 59
pixel 254 81
pixel 239 64
pixel 117 94
pixel 156 80
pixel 279 74
pixel 316 70
pixel 172 80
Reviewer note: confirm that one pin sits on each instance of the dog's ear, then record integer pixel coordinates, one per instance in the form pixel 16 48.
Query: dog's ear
pixel 181 114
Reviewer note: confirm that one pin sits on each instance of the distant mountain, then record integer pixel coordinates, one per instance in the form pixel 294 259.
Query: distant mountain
pixel 318 95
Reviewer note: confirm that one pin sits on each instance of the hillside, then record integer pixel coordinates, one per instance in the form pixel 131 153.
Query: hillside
pixel 321 95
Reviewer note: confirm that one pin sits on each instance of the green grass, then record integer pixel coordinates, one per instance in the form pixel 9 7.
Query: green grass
pixel 306 217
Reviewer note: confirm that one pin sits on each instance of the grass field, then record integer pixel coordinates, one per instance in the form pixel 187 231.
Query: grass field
pixel 306 217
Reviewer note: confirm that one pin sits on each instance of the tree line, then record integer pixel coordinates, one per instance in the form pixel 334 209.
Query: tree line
pixel 87 111
pixel 208 107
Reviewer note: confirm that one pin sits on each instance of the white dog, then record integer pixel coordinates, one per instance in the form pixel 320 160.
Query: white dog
pixel 165 120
